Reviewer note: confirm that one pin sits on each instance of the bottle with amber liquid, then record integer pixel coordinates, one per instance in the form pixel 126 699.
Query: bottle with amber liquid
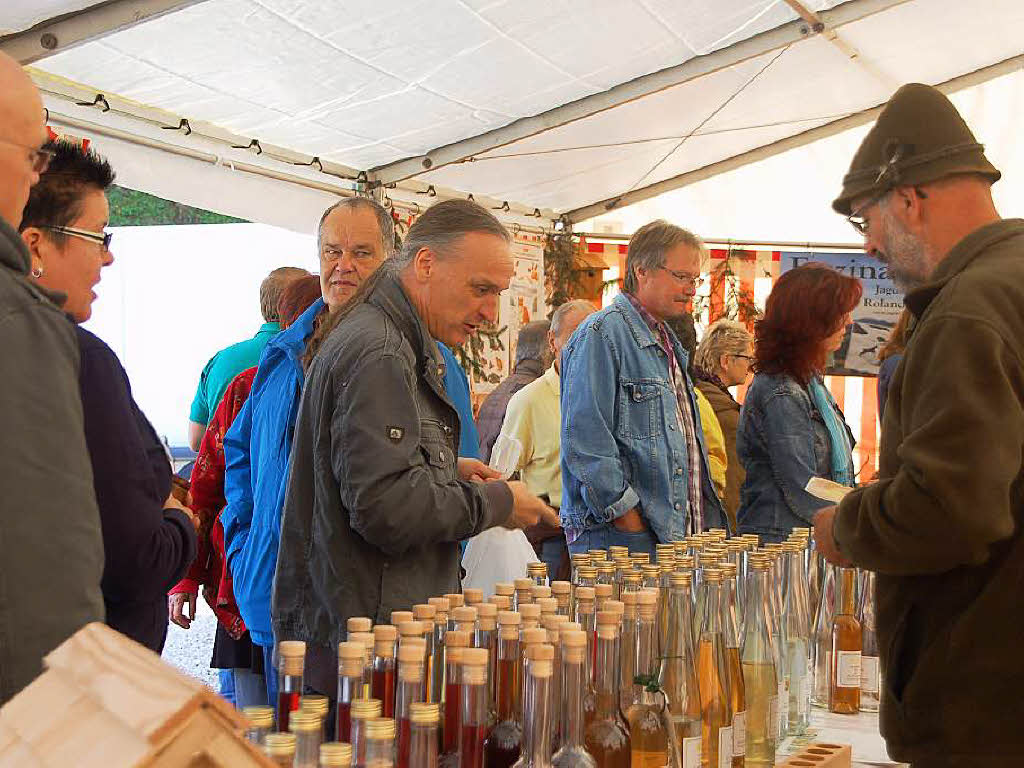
pixel 501 749
pixel 648 735
pixel 290 667
pixel 713 680
pixel 607 736
pixel 423 719
pixel 844 690
pixel 384 667
pixel 473 712
pixel 538 712
pixel 573 752
pixel 410 691
pixel 737 696
pixel 456 643
pixel 760 675
pixel 678 674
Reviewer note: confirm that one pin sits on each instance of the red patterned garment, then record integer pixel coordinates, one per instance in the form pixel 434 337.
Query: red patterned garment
pixel 210 568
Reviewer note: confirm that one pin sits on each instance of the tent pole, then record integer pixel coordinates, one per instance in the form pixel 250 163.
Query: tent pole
pixel 735 242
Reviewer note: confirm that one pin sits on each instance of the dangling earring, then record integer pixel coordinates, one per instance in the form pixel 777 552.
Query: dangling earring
pixel 37 272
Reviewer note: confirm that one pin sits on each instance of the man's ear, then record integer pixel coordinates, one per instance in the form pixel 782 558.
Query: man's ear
pixel 424 264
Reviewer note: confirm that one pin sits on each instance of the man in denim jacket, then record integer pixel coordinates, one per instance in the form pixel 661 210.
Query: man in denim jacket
pixel 634 466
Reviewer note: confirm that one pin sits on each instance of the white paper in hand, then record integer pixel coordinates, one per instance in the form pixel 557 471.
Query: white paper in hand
pixel 826 489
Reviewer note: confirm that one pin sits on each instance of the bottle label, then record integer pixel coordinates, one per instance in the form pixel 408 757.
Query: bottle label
pixel 869 674
pixel 739 734
pixel 691 752
pixel 848 669
pixel 725 747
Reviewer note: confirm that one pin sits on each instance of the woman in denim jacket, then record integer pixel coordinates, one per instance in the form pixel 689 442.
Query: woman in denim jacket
pixel 790 428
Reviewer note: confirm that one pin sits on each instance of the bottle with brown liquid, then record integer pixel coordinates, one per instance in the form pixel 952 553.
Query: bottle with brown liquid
pixel 410 691
pixel 538 712
pixel 573 752
pixel 502 747
pixel 473 712
pixel 678 675
pixel 713 680
pixel 425 614
pixel 384 667
pixel 607 737
pixel 737 696
pixel 648 735
pixel 455 644
pixel 291 665
pixel 844 691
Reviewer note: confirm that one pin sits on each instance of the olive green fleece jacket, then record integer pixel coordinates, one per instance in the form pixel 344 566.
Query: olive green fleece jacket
pixel 51 548
pixel 942 525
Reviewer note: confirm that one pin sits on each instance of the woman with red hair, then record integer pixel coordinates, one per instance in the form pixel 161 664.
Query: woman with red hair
pixel 790 428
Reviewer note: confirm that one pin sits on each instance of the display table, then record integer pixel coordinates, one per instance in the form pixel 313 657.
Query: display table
pixel 859 731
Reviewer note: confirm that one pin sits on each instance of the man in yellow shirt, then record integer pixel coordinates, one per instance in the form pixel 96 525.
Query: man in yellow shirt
pixel 534 419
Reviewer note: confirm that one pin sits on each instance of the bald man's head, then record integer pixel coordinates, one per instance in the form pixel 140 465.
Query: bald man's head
pixel 22 133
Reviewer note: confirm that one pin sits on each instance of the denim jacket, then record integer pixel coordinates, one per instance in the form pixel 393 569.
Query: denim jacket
pixel 782 443
pixel 622 443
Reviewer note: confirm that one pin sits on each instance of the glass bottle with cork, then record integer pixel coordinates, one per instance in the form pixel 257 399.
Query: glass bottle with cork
pixel 844 688
pixel 760 678
pixel 380 742
pixel 502 747
pixel 280 749
pixel 797 639
pixel 713 680
pixel 410 691
pixel 627 646
pixel 648 734
pixel 455 644
pixel 363 710
pixel 465 621
pixel 384 672
pixel 472 596
pixel 305 724
pixel 423 738
pixel 531 615
pixel 440 605
pixel 455 600
pixel 473 712
pixel 821 653
pixel 291 664
pixel 572 753
pixel 336 754
pixel 737 695
pixel 870 671
pixel 562 592
pixel 425 614
pixel 523 594
pixel 678 675
pixel 606 736
pixel 538 712
pixel 487 637
pixel 538 573
pixel 585 617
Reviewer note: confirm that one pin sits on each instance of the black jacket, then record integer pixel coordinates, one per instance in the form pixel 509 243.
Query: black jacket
pixel 374 510
pixel 148 548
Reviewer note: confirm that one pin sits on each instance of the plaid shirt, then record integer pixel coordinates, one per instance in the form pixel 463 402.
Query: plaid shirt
pixel 684 414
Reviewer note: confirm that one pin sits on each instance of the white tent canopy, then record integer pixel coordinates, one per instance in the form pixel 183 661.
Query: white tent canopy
pixel 554 108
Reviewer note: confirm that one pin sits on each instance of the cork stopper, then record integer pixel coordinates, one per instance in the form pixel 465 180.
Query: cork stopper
pixel 530 612
pixel 259 716
pixel 547 605
pixel 365 709
pixel 474 666
pixel 335 754
pixel 366 640
pixel 728 570
pixel 455 600
pixel 409 629
pixel 441 604
pixel 399 617
pixel 453 654
pixel 411 653
pixel 534 635
pixel 304 720
pixel 541 660
pixel 456 638
pixel 614 606
pixel 487 616
pixel 647 604
pixel 508 625
pixel 603 591
pixel 464 615
pixel 380 729
pixel 421 713
pixel 503 602
pixel 574 645
pixel 523 585
pixel 473 596
pixel 572 626
pixel 351 659
pixel 359 624
pixel 538 592
pixel 553 621
pixel 292 656
pixel 279 744
pixel 559 588
pixel 384 636
pixel 425 613
pixel 503 588
pixel 410 664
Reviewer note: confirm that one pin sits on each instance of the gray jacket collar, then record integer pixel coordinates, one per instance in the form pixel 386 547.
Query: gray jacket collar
pixel 13 252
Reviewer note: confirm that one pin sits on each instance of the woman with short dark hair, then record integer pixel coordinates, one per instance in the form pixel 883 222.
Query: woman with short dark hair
pixel 149 538
pixel 790 427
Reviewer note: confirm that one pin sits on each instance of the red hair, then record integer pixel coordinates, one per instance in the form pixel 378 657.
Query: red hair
pixel 806 306
pixel 297 297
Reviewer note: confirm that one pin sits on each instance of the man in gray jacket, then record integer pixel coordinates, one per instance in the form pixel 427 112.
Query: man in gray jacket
pixel 378 499
pixel 51 549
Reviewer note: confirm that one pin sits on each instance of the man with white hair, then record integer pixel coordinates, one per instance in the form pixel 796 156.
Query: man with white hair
pixel 534 418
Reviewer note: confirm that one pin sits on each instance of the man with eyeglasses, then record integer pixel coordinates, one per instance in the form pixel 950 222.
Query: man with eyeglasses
pixel 51 547
pixel 634 463
pixel 943 525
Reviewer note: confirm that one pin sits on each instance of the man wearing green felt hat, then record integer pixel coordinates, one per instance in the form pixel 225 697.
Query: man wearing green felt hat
pixel 942 525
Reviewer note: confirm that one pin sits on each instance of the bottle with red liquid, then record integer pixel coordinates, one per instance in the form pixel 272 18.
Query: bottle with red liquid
pixel 351 662
pixel 423 718
pixel 384 671
pixel 363 710
pixel 606 736
pixel 501 749
pixel 473 725
pixel 366 640
pixel 573 752
pixel 425 615
pixel 410 691
pixel 291 655
pixel 538 711
pixel 455 644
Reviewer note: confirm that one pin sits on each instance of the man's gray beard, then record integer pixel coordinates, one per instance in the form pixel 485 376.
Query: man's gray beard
pixel 904 255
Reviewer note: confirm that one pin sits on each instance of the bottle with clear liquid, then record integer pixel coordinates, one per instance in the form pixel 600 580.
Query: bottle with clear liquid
pixel 335 754
pixel 648 734
pixel 424 718
pixel 822 649
pixel 844 691
pixel 305 725
pixel 291 666
pixel 870 671
pixel 573 752
pixel 363 710
pixel 280 749
pixel 562 592
pixel 737 693
pixel 713 681
pixel 760 680
pixel 797 642
pixel 606 736
pixel 473 725
pixel 380 742
pixel 678 674
pixel 523 595
pixel 502 747
pixel 260 721
pixel 538 710
pixel 627 647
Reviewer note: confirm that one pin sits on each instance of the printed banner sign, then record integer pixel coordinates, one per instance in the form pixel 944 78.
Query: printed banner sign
pixel 873 318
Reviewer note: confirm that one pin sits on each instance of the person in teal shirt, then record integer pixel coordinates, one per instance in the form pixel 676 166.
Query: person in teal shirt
pixel 224 366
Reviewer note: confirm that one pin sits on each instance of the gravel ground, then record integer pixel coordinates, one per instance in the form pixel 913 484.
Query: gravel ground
pixel 190 649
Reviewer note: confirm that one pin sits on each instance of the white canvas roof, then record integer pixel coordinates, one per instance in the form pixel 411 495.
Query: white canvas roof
pixel 564 107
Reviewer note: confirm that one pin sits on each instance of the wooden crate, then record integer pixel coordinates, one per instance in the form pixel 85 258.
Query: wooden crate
pixel 105 701
pixel 820 756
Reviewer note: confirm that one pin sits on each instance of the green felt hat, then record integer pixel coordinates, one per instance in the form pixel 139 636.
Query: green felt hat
pixel 919 137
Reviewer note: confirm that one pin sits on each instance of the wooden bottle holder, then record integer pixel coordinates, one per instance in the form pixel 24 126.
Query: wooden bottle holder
pixel 820 756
